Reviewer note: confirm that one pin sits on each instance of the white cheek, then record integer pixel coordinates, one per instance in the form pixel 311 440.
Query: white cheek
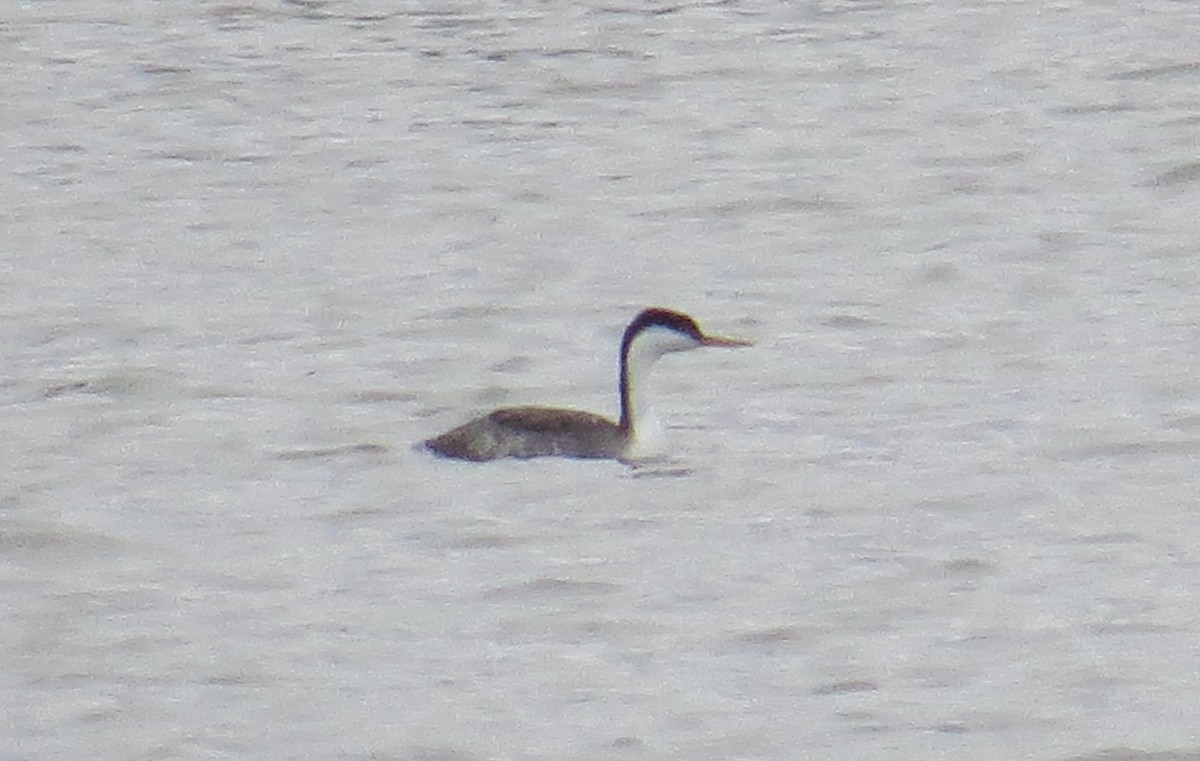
pixel 655 342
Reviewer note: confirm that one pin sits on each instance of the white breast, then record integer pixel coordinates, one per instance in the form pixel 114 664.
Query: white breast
pixel 649 438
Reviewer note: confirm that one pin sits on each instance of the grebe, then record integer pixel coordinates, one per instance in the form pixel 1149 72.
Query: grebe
pixel 550 432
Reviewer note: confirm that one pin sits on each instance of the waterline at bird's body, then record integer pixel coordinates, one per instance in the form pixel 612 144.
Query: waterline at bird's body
pixel 549 432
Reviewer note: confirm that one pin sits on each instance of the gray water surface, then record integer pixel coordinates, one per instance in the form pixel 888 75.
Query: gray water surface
pixel 250 252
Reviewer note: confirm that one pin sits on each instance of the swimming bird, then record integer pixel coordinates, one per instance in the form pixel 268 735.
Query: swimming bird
pixel 552 432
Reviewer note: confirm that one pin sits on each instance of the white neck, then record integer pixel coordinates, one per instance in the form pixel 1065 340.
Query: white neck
pixel 646 434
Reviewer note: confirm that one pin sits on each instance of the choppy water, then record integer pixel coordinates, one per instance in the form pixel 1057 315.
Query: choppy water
pixel 946 508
